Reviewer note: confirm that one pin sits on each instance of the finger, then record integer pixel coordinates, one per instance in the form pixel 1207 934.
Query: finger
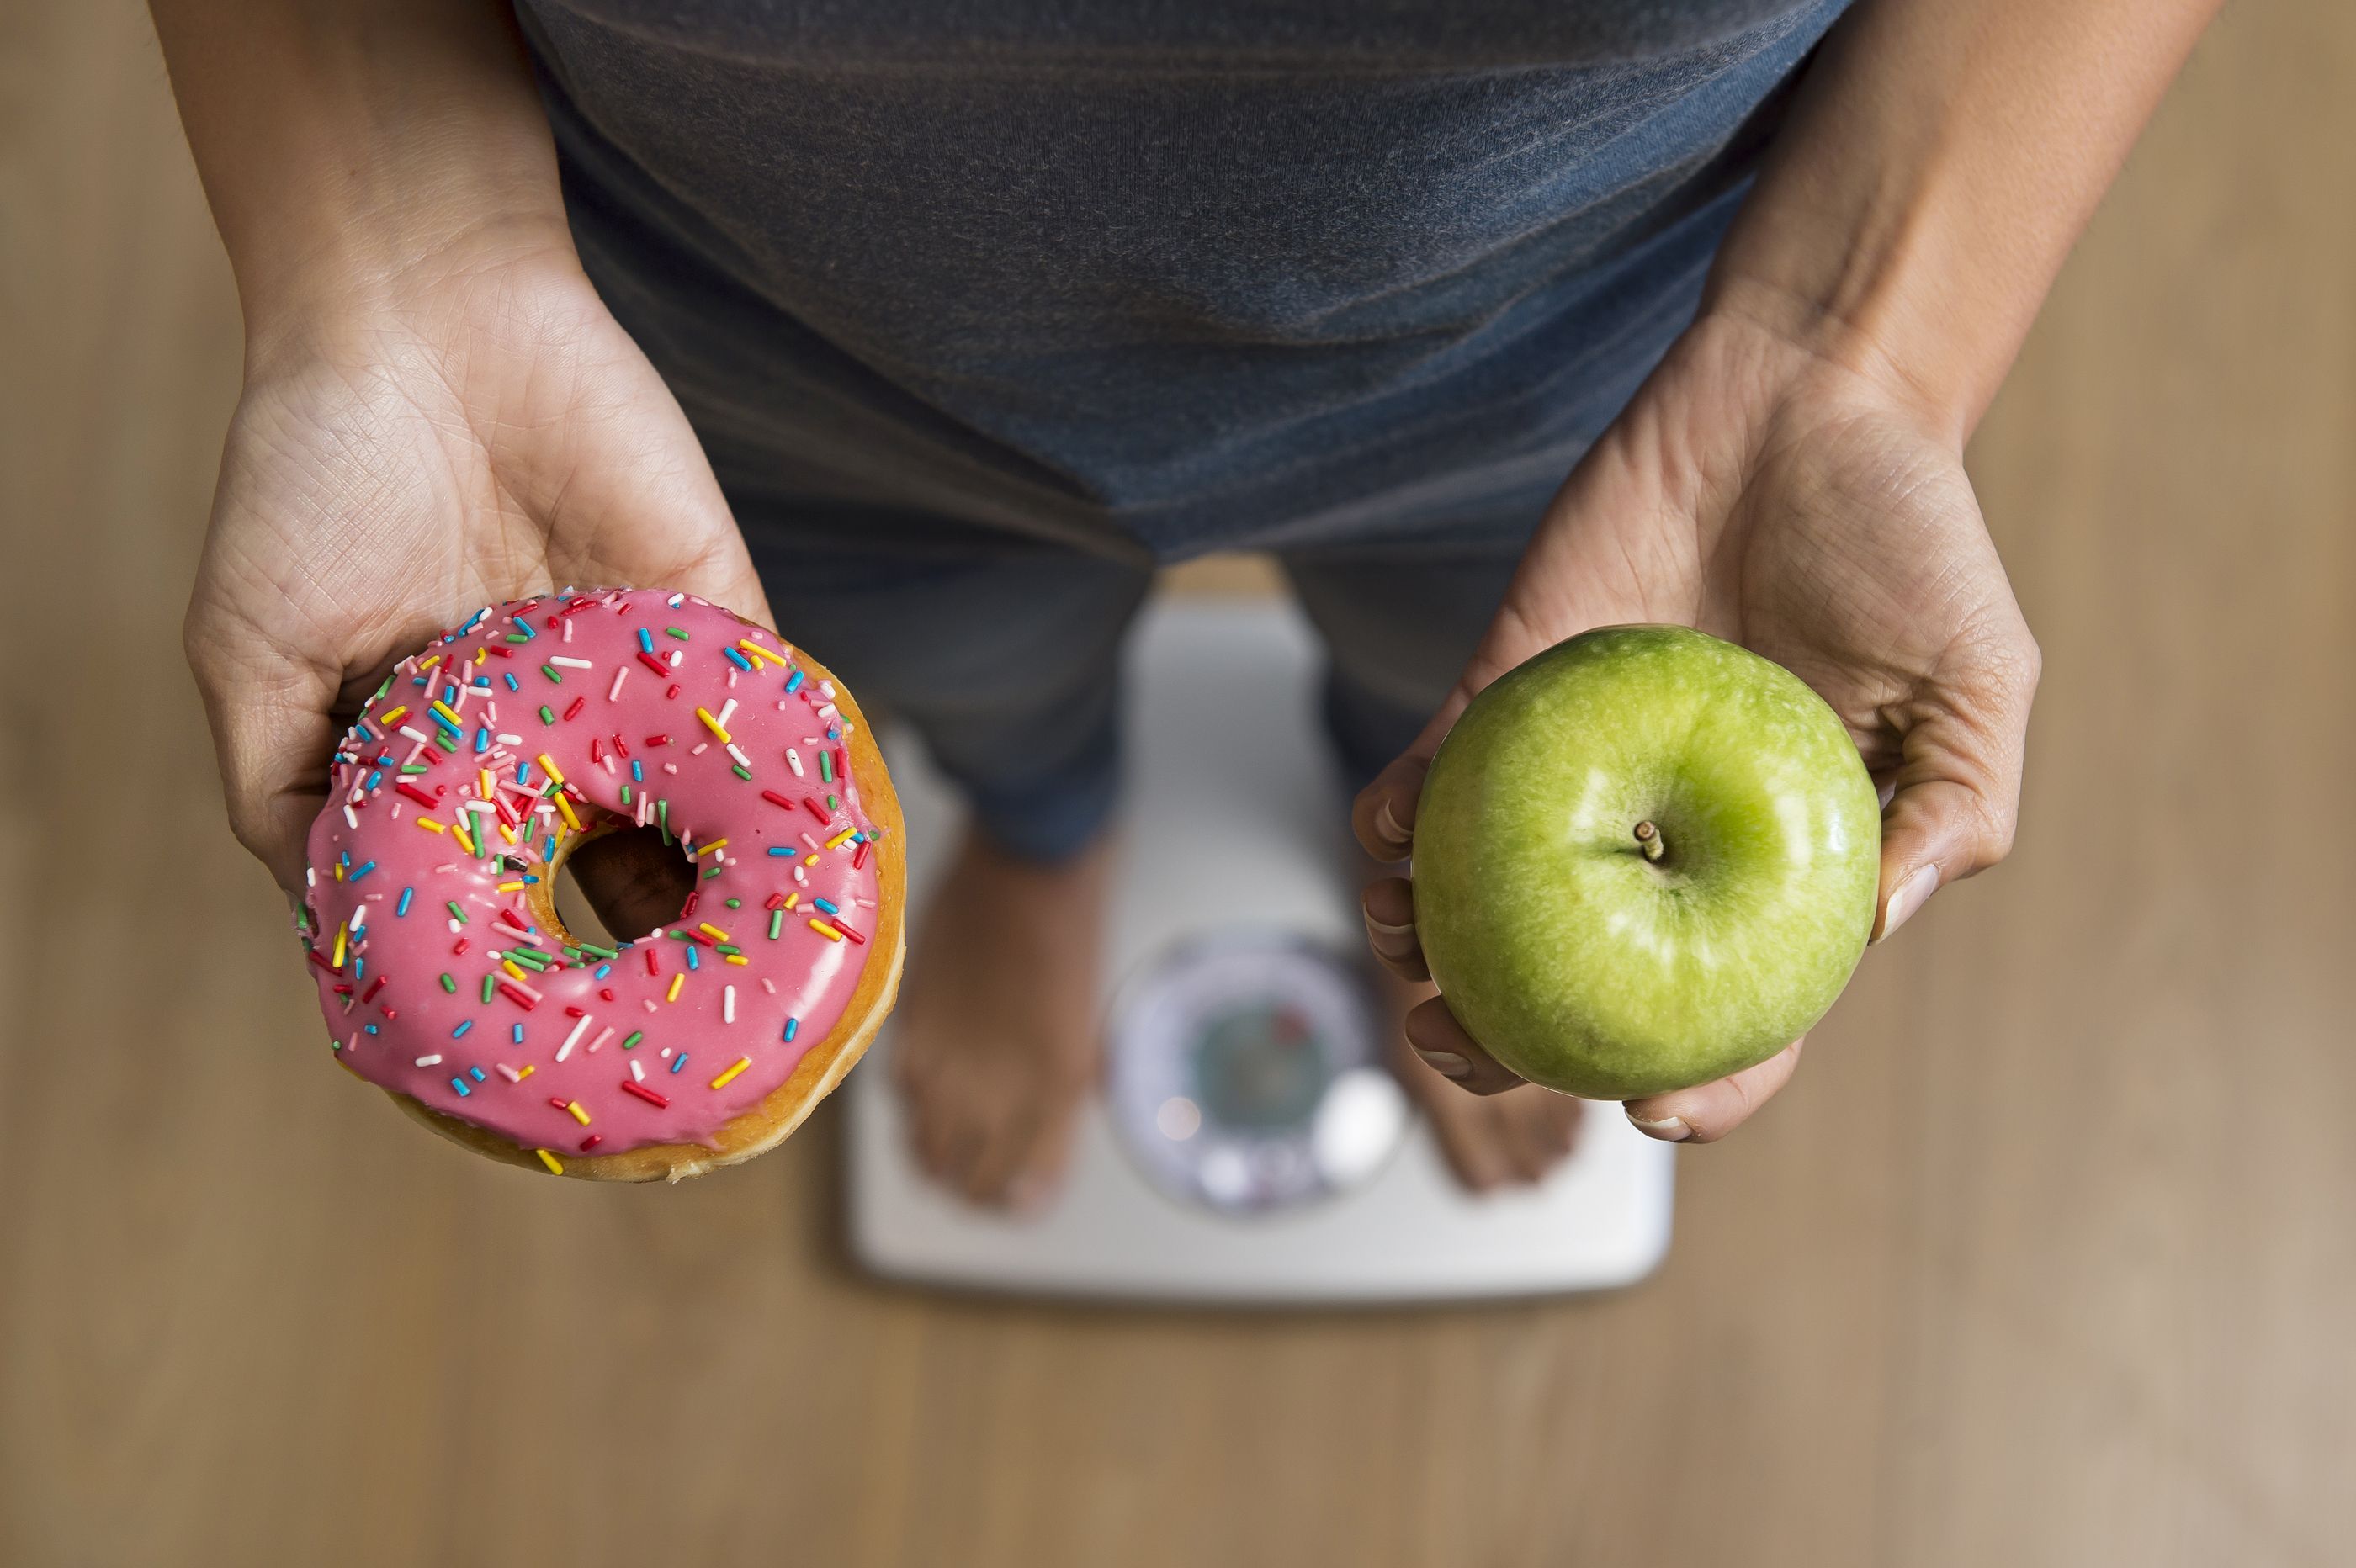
pixel 1956 801
pixel 1707 1112
pixel 270 714
pixel 1388 907
pixel 1436 1036
pixel 1383 815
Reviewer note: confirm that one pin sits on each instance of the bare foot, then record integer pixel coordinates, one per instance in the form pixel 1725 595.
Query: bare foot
pixel 1489 1140
pixel 997 1036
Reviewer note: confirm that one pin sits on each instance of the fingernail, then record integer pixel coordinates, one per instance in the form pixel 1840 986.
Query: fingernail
pixel 1447 1063
pixel 1393 940
pixel 1388 826
pixel 1668 1129
pixel 1909 896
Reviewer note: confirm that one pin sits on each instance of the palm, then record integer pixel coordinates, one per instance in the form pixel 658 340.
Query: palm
pixel 495 436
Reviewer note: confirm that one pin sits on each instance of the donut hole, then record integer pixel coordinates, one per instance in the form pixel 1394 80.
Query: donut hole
pixel 618 886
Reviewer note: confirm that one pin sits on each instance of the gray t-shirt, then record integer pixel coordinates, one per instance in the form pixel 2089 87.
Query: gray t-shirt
pixel 1162 273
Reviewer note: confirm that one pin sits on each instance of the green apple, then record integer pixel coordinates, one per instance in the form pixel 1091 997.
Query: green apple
pixel 1644 860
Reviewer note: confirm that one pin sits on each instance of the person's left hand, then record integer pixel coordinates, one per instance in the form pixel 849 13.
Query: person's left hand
pixel 1814 512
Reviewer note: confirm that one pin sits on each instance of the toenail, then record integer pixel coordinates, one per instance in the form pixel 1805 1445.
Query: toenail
pixel 1447 1063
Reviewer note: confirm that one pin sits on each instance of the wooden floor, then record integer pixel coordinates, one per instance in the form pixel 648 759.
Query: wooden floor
pixel 2049 1258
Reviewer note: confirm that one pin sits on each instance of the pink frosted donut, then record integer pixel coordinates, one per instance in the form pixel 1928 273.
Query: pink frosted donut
pixel 447 979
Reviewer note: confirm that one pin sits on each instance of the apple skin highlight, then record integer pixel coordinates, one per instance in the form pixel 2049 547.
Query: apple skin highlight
pixel 1612 963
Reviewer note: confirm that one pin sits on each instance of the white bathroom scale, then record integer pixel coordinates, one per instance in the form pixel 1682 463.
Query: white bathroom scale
pixel 1247 1147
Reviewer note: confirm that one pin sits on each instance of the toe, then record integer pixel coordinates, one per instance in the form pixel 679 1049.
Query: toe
pixel 1542 1125
pixel 1467 1134
pixel 1523 1138
pixel 1554 1123
pixel 998 1155
pixel 1038 1174
pixel 1020 1140
pixel 942 1132
pixel 963 1145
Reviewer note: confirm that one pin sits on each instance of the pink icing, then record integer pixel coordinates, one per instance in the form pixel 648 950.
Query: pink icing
pixel 385 976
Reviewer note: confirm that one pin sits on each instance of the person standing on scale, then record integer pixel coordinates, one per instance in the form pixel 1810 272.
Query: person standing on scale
pixel 927 329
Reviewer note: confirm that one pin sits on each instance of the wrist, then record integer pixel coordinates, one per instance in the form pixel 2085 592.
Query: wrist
pixel 350 148
pixel 424 203
pixel 1936 164
pixel 1784 354
pixel 1866 350
pixel 388 268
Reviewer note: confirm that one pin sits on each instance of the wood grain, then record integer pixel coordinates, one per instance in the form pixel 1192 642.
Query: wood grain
pixel 2046 1259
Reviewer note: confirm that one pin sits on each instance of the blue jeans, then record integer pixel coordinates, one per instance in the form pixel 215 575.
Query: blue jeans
pixel 1003 650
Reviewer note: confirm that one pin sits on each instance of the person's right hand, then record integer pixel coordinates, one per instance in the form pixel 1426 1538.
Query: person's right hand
pixel 472 428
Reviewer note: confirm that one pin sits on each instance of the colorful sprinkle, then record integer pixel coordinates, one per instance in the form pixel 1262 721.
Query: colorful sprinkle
pixel 447 760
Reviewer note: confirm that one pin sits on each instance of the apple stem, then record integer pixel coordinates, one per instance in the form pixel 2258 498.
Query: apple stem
pixel 1649 836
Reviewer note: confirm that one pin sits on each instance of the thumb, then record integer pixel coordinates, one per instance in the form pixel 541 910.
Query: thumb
pixel 736 586
pixel 628 498
pixel 677 533
pixel 270 713
pixel 721 569
pixel 1957 784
